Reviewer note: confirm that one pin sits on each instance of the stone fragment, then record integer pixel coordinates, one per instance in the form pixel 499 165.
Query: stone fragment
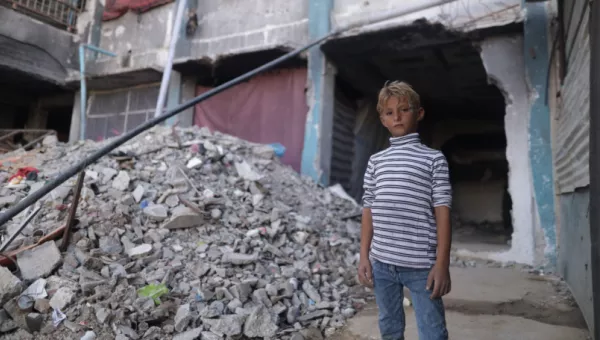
pixel 110 245
pixel 34 322
pixel 121 182
pixel 39 262
pixel 311 291
pixel 103 315
pixel 138 193
pixel 156 212
pixel 314 315
pixel 229 325
pixel 239 259
pixel 140 250
pixel 183 318
pixel 10 285
pixel 89 335
pixel 210 336
pixel 42 305
pixel 184 221
pixel 62 298
pixel 261 323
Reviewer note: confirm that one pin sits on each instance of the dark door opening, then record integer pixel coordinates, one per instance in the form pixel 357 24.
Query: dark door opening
pixel 464 119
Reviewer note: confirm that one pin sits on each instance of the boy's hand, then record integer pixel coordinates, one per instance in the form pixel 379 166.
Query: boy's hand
pixel 439 278
pixel 365 272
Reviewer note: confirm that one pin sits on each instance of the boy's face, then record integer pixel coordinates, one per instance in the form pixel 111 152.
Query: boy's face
pixel 399 118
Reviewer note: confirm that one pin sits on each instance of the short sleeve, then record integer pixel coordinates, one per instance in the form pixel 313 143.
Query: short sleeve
pixel 369 185
pixel 442 190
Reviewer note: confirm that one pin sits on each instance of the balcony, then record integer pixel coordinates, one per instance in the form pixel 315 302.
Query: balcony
pixel 58 13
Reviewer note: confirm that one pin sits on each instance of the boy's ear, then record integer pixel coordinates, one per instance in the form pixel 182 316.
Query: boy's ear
pixel 420 114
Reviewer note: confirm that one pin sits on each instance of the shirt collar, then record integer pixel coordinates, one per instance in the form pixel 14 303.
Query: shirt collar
pixel 412 138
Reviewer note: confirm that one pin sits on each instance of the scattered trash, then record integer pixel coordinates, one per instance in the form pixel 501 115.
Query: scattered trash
pixel 57 317
pixel 278 148
pixel 154 292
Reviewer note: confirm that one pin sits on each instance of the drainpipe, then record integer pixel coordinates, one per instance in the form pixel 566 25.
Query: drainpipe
pixel 83 85
pixel 164 84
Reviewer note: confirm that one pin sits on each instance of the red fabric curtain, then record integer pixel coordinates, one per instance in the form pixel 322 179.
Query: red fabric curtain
pixel 269 108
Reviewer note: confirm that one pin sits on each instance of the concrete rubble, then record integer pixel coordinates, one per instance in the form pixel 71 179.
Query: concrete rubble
pixel 183 234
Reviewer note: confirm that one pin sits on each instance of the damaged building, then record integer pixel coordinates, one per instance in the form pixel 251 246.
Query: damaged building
pixel 488 73
pixel 468 64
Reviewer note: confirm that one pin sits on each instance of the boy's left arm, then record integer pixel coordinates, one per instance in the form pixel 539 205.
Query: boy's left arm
pixel 439 277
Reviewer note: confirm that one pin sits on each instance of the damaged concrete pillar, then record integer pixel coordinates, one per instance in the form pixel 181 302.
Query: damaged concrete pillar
pixel 540 147
pixel 187 84
pixel 75 119
pixel 503 59
pixel 316 154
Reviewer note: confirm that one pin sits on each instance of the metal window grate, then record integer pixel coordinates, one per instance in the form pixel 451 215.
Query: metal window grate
pixel 59 13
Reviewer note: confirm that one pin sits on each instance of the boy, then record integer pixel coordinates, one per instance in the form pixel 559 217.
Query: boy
pixel 405 238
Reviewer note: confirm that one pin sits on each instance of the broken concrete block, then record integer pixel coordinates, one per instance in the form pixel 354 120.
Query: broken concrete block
pixel 261 323
pixel 183 318
pixel 8 200
pixel 62 298
pixel 110 245
pixel 103 315
pixel 10 285
pixel 89 335
pixel 239 259
pixel 156 212
pixel 39 262
pixel 34 322
pixel 141 250
pixel 138 193
pixel 121 182
pixel 184 221
pixel 229 325
pixel 192 334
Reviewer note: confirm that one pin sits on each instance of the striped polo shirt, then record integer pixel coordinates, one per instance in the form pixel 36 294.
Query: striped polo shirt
pixel 403 184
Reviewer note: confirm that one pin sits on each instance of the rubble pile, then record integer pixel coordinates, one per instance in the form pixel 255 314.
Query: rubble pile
pixel 182 234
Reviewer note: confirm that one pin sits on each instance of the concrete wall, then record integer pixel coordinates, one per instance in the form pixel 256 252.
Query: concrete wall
pixel 466 15
pixel 574 259
pixel 569 103
pixel 224 28
pixel 36 48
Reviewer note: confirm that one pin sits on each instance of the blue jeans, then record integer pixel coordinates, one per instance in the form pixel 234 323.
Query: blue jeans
pixel 389 281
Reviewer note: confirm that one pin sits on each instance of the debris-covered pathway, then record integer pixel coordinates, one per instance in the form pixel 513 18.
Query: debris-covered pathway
pixel 489 303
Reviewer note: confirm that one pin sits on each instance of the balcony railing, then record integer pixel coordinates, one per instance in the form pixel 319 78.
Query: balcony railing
pixel 59 13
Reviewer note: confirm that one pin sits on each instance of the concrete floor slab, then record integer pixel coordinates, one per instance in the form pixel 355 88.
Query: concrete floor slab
pixel 495 285
pixel 468 327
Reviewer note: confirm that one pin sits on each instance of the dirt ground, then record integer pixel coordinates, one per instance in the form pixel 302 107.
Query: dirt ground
pixel 493 304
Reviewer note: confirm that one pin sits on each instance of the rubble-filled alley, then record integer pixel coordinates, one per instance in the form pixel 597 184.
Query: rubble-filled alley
pixel 185 234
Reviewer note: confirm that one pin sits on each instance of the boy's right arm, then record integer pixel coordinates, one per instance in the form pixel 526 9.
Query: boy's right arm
pixel 365 272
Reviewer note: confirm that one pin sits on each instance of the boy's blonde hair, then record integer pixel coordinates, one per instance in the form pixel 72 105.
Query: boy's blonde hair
pixel 398 89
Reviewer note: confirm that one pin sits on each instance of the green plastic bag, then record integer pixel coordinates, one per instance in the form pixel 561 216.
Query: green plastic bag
pixel 154 292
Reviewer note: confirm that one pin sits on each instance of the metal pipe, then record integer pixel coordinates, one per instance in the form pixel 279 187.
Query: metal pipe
pixel 20 229
pixel 82 92
pixel 81 165
pixel 83 85
pixel 166 78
